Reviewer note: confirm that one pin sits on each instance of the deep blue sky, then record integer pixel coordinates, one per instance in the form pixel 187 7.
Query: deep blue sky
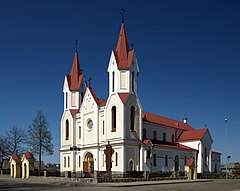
pixel 188 54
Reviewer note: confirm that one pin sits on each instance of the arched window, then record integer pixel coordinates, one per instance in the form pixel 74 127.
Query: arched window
pixel 206 157
pixel 155 135
pixel 68 161
pixel 79 132
pixel 148 152
pixel 81 97
pixel 144 133
pixel 173 139
pixel 67 130
pixel 133 82
pixel 154 159
pixel 113 79
pixel 66 100
pixel 166 160
pixel 114 118
pixel 79 161
pixel 164 137
pixel 132 117
pixel 64 162
pixel 116 159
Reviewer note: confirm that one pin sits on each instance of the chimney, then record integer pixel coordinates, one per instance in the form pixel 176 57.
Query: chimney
pixel 185 119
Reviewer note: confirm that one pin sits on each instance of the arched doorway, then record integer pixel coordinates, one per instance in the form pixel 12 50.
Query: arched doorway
pixel 176 165
pixel 25 170
pixel 130 167
pixel 12 171
pixel 88 163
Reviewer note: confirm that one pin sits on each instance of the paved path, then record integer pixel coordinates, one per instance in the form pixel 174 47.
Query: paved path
pixel 34 184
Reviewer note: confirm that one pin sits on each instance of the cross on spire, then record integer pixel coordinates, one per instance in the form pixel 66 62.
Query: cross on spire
pixel 89 81
pixel 122 13
pixel 76 44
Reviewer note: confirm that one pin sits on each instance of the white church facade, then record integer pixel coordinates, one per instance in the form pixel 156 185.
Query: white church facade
pixel 141 141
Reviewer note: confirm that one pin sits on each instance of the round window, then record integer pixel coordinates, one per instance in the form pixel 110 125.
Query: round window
pixel 90 124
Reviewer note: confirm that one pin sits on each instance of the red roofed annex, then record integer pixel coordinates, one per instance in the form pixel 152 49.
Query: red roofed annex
pixel 141 141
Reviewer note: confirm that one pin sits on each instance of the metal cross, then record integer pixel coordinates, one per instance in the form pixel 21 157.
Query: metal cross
pixel 89 81
pixel 122 13
pixel 76 44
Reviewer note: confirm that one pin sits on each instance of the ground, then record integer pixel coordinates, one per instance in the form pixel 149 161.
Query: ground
pixel 7 184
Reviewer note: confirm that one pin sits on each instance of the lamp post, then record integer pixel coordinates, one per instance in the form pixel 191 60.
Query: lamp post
pixel 227 157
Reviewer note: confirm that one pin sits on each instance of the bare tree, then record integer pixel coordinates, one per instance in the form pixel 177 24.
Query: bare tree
pixel 16 138
pixel 3 149
pixel 40 138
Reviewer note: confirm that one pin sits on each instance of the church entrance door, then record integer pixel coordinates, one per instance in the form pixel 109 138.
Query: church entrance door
pixel 88 163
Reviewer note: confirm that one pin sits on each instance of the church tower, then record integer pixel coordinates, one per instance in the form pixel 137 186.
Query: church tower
pixel 73 89
pixel 123 108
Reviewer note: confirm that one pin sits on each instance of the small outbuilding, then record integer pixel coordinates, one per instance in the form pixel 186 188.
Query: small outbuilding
pixel 27 164
pixel 15 166
pixel 190 169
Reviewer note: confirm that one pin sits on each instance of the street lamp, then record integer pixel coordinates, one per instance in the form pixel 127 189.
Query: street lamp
pixel 227 157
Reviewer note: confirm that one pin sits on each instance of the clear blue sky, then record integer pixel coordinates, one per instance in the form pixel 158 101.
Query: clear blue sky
pixel 188 53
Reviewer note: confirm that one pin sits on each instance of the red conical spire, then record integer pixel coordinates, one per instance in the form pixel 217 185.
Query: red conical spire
pixel 76 74
pixel 122 49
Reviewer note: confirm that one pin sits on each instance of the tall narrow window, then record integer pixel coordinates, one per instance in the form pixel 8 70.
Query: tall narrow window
pixel 79 161
pixel 64 162
pixel 154 159
pixel 166 160
pixel 116 159
pixel 79 132
pixel 68 161
pixel 114 118
pixel 144 133
pixel 155 135
pixel 113 81
pixel 66 100
pixel 173 139
pixel 81 97
pixel 132 117
pixel 205 156
pixel 67 130
pixel 103 127
pixel 103 160
pixel 185 160
pixel 133 82
pixel 164 137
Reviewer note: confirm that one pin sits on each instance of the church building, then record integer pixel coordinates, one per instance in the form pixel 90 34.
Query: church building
pixel 141 140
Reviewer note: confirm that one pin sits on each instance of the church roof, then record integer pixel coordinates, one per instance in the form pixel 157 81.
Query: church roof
pixel 28 155
pixel 177 146
pixel 192 135
pixel 157 143
pixel 160 120
pixel 122 53
pixel 76 76
pixel 16 157
pixel 100 102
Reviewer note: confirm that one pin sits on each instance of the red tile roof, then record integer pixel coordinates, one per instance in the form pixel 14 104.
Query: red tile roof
pixel 76 76
pixel 100 102
pixel 123 54
pixel 196 134
pixel 16 157
pixel 123 96
pixel 190 162
pixel 156 119
pixel 28 155
pixel 177 146
pixel 73 112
